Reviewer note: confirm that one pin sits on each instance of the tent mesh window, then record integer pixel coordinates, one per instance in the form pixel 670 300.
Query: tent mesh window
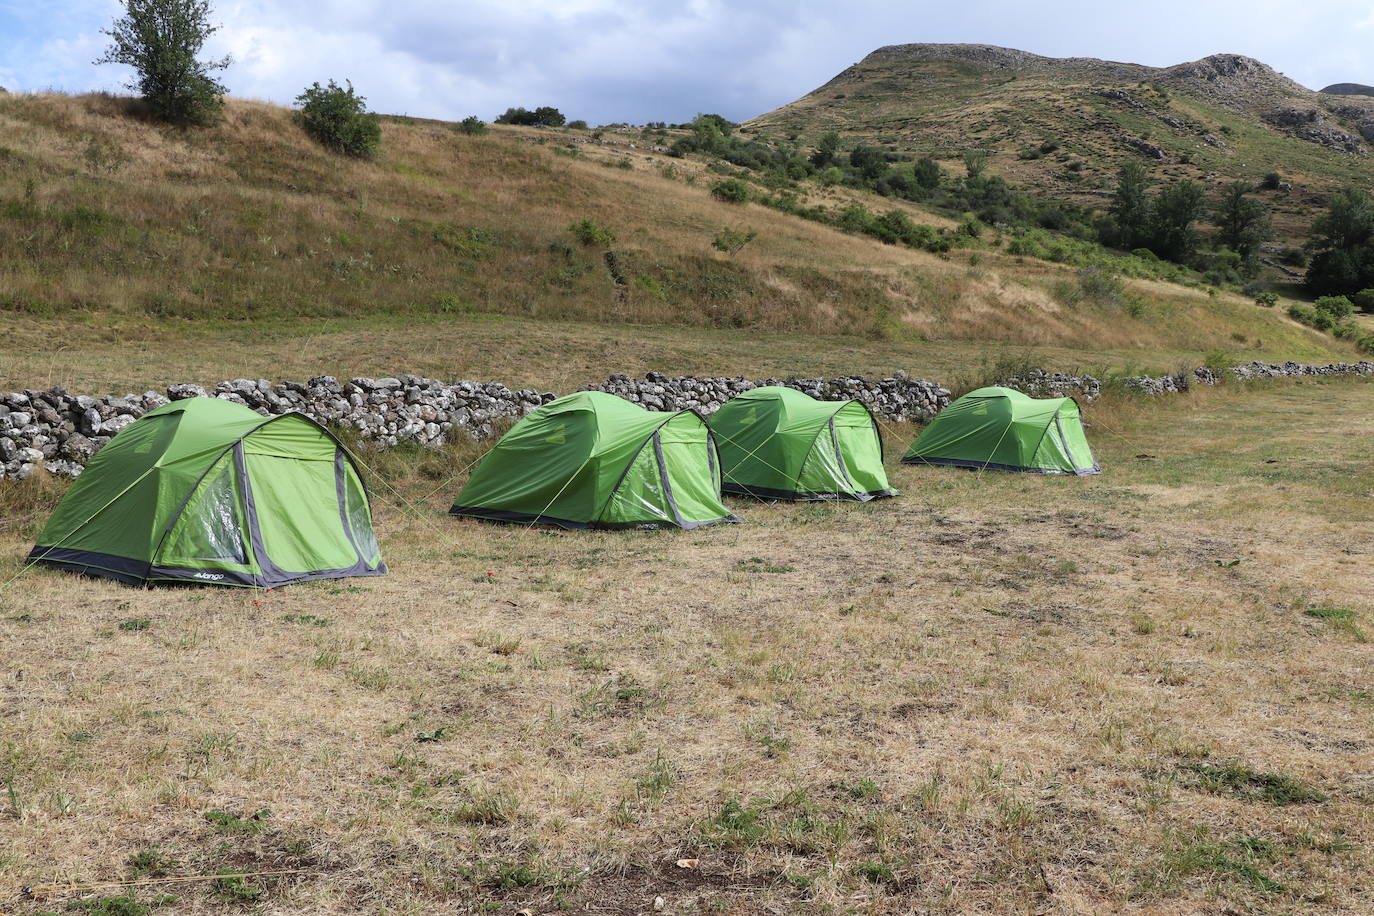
pixel 209 528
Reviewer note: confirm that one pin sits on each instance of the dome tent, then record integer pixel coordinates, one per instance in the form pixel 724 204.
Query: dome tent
pixel 206 490
pixel 1006 430
pixel 780 443
pixel 593 460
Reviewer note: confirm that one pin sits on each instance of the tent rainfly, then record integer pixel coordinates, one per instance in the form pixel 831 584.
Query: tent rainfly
pixel 779 443
pixel 1006 430
pixel 206 490
pixel 593 460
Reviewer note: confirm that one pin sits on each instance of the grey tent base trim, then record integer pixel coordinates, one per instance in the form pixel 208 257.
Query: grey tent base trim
pixel 980 465
pixel 169 574
pixel 138 572
pixel 524 518
pixel 739 489
pixel 90 563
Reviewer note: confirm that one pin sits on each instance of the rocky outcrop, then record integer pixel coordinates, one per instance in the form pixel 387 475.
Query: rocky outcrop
pixel 1311 125
pixel 1167 118
pixel 1362 118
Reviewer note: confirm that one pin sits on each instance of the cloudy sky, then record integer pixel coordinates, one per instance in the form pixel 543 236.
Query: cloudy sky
pixel 642 60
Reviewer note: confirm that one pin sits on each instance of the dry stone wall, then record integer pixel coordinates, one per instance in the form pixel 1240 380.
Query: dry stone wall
pixel 57 431
pixel 896 398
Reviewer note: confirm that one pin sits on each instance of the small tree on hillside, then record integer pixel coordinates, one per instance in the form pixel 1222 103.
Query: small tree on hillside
pixel 975 160
pixel 1175 210
pixel 927 173
pixel 1131 206
pixel 868 161
pixel 1243 222
pixel 472 125
pixel 549 116
pixel 338 118
pixel 161 40
pixel 1342 243
pixel 827 148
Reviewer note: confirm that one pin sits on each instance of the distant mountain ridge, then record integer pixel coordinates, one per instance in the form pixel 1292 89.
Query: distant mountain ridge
pixel 1348 89
pixel 1064 126
pixel 1211 75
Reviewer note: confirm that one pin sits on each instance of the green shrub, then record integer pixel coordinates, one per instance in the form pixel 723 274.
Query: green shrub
pixel 1337 307
pixel 1218 359
pixel 577 124
pixel 338 118
pixel 1364 300
pixel 590 233
pixel 1268 300
pixel 1303 314
pixel 472 125
pixel 731 241
pixel 1365 344
pixel 731 190
pixel 970 227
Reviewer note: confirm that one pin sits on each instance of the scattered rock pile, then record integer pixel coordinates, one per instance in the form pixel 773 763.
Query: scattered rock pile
pixel 1312 125
pixel 1041 384
pixel 59 431
pixel 895 398
pixel 1172 384
pixel 1258 369
pixel 405 408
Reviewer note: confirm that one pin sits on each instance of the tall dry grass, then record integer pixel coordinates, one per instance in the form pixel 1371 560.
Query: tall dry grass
pixel 102 214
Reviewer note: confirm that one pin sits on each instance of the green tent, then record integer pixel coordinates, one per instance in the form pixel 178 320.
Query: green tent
pixel 1009 431
pixel 779 443
pixel 205 490
pixel 593 460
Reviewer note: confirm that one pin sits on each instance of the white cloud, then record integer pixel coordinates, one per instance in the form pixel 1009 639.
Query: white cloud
pixel 662 59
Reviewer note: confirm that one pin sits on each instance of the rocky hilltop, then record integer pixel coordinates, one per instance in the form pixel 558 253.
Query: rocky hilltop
pixel 1065 126
pixel 1232 81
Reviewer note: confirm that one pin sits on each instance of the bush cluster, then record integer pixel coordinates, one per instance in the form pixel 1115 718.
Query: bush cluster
pixel 471 125
pixel 731 241
pixel 591 233
pixel 731 190
pixel 544 116
pixel 1332 313
pixel 337 117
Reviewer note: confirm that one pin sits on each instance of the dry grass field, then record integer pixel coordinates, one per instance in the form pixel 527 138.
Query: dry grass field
pixel 1144 692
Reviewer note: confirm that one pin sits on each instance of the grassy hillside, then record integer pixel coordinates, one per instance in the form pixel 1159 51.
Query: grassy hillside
pixel 1213 121
pixel 247 238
